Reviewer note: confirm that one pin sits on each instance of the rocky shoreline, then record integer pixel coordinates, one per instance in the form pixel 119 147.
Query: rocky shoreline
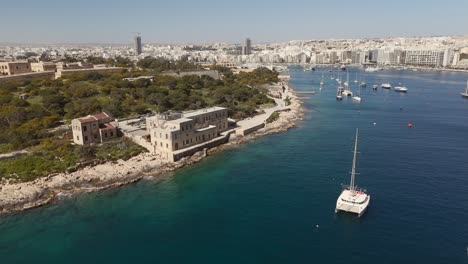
pixel 16 197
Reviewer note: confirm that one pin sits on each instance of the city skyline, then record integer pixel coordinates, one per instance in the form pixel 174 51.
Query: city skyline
pixel 204 22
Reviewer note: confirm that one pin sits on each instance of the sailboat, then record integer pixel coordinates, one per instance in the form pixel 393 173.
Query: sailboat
pixel 363 82
pixel 465 94
pixel 357 98
pixel 353 199
pixel 346 91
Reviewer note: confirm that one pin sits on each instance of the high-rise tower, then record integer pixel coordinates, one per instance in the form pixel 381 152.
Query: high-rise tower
pixel 247 49
pixel 138 45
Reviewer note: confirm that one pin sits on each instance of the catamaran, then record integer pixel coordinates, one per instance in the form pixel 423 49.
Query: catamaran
pixel 465 94
pixel 353 199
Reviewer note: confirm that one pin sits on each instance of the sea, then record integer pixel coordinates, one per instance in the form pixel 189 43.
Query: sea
pixel 273 200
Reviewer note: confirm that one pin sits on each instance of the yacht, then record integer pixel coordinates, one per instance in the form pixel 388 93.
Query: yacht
pixel 353 199
pixel 386 86
pixel 401 89
pixel 465 94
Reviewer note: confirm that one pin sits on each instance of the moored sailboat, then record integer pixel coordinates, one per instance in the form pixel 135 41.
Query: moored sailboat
pixel 353 199
pixel 465 94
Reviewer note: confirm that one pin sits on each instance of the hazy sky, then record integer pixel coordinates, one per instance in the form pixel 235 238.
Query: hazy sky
pixel 208 21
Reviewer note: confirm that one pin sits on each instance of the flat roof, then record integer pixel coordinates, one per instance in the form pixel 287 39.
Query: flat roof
pixel 202 111
pixel 179 120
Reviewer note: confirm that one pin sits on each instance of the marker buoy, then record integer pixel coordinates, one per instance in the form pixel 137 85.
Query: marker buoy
pixel 410 125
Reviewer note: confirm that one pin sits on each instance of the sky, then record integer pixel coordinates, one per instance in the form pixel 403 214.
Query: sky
pixel 211 21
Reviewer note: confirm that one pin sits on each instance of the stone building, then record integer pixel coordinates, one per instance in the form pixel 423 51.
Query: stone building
pixel 12 68
pixel 96 128
pixel 173 132
pixel 43 66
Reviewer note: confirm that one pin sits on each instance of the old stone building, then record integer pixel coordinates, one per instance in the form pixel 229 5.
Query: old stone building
pixel 173 132
pixel 96 128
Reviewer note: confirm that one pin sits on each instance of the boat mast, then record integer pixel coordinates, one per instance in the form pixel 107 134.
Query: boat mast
pixel 353 171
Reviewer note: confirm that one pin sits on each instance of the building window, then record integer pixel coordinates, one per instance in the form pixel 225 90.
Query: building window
pixel 111 133
pixel 86 138
pixel 77 137
pixel 105 134
pixel 167 136
pixel 85 128
pixel 95 136
pixel 176 146
pixel 167 145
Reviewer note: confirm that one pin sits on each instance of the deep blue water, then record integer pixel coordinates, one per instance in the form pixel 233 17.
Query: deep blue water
pixel 261 202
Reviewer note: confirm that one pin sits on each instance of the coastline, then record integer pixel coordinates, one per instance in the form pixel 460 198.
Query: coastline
pixel 17 197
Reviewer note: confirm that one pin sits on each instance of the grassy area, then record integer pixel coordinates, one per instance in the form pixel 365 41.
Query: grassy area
pixel 273 117
pixel 53 156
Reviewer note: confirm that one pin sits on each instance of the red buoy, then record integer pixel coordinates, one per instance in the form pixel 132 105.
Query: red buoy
pixel 410 125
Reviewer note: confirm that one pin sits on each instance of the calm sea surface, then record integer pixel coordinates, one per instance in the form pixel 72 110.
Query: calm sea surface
pixel 262 202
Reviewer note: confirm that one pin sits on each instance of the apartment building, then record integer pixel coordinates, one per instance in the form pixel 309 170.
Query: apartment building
pixel 172 132
pixel 431 58
pixel 96 128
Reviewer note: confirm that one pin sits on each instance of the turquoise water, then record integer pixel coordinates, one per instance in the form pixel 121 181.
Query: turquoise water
pixel 261 202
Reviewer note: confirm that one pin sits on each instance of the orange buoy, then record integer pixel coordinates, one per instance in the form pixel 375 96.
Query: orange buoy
pixel 410 125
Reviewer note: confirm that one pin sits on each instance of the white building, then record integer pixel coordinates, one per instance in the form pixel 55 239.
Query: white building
pixel 431 58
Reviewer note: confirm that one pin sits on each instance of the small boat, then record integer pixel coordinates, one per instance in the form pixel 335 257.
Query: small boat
pixel 356 80
pixel 353 199
pixel 401 89
pixel 321 82
pixel 375 86
pixel 343 67
pixel 386 86
pixel 339 93
pixel 465 94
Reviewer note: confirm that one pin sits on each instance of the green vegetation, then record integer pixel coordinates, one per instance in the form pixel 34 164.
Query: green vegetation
pixel 54 155
pixel 273 117
pixel 287 101
pixel 29 123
